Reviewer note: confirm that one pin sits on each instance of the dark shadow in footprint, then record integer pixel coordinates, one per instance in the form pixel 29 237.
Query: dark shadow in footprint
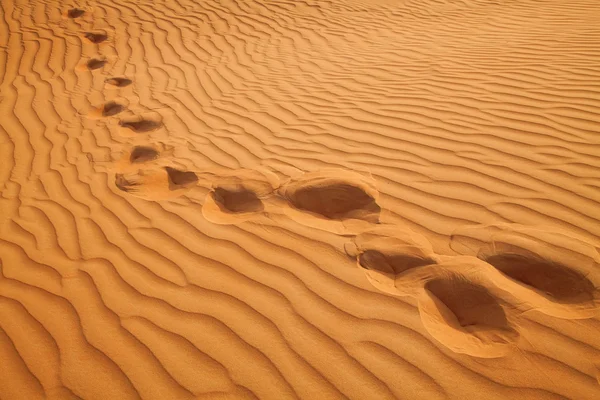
pixel 554 279
pixel 96 63
pixel 141 126
pixel 237 201
pixel 112 108
pixel 118 82
pixel 142 154
pixel 123 184
pixel 95 37
pixel 75 13
pixel 335 201
pixel 398 263
pixel 472 304
pixel 180 179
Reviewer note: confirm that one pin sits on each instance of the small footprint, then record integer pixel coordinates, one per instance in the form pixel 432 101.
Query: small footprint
pixel 96 37
pixel 389 256
pixel 118 82
pixel 553 272
pixel 141 154
pixel 336 200
pixel 396 264
pixel 108 109
pixel 112 108
pixel 180 179
pixel 156 184
pixel 466 318
pixel 96 63
pixel 75 13
pixel 140 124
pixel 149 157
pixel 124 184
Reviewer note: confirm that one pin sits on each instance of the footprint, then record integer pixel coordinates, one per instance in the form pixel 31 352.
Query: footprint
pixel 389 256
pixel 180 179
pixel 466 318
pixel 118 82
pixel 237 200
pixel 455 303
pixel 239 196
pixel 108 109
pixel 142 154
pixel 335 200
pixel 156 184
pixel 553 272
pixel 96 37
pixel 555 280
pixel 148 157
pixel 112 108
pixel 75 13
pixel 139 124
pixel 96 63
pixel 124 184
pixel 391 263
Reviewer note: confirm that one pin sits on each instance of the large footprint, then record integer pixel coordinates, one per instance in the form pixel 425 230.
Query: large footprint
pixel 238 195
pixel 455 304
pixel 553 272
pixel 461 313
pixel 334 200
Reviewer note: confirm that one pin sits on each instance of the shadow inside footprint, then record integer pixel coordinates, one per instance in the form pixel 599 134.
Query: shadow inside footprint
pixel 75 13
pixel 112 108
pixel 141 126
pixel 553 279
pixel 395 264
pixel 123 184
pixel 95 37
pixel 335 201
pixel 237 201
pixel 466 318
pixel 118 82
pixel 142 154
pixel 180 179
pixel 96 63
pixel 472 304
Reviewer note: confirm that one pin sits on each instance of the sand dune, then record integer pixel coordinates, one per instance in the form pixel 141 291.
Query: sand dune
pixel 299 199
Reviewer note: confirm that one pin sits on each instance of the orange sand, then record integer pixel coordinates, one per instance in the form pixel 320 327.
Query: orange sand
pixel 277 199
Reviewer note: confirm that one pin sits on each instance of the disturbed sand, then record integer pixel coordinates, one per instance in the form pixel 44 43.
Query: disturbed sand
pixel 269 199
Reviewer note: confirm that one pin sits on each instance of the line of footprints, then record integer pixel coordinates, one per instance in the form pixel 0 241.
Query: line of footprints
pixel 471 302
pixel 134 124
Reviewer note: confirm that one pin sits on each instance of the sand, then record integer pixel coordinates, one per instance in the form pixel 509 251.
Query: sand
pixel 271 199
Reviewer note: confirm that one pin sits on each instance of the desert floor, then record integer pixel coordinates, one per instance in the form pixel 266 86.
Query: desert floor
pixel 299 199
